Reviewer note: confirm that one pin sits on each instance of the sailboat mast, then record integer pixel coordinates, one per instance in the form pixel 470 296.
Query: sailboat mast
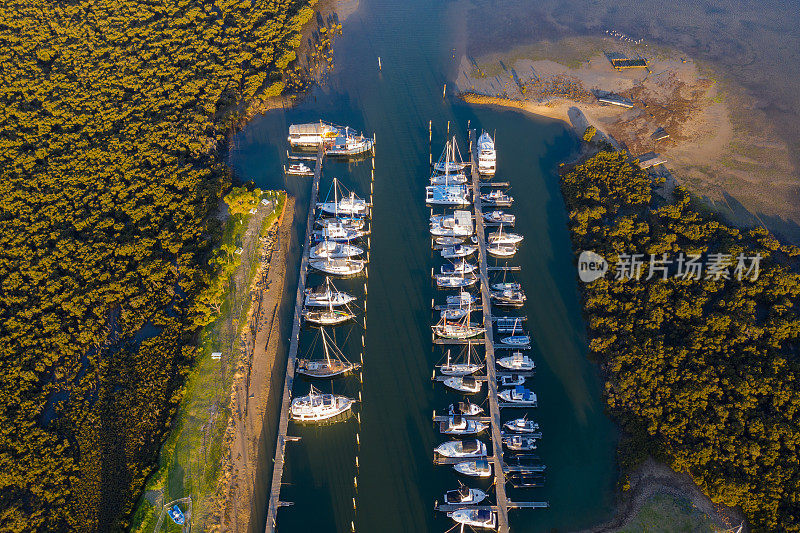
pixel 325 345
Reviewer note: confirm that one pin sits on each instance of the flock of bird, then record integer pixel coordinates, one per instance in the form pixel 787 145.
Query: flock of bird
pixel 623 37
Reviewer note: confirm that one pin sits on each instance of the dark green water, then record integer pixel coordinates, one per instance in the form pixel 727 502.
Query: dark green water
pixel 397 482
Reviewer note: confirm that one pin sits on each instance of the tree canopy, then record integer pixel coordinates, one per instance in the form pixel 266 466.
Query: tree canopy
pixel 702 373
pixel 111 114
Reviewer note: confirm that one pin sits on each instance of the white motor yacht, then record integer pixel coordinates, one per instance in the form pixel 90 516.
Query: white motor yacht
pixel 299 169
pixel 499 217
pixel 518 395
pixel 464 496
pixel 465 408
pixel 521 425
pixel 517 361
pixel 467 449
pixel 511 381
pixel 479 468
pixel 317 406
pixel 458 251
pixel 519 443
pixel 480 518
pixel 497 198
pixel 487 155
pixel 465 384
pixel 454 281
pixel 458 425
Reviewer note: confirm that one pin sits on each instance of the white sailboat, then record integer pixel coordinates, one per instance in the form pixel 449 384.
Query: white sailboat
pixel 454 281
pixel 334 250
pixel 338 267
pixel 326 296
pixel 327 317
pixel 349 205
pixel 450 160
pixel 461 329
pixel 487 155
pixel 465 368
pixel 317 406
pixel 501 237
pixel 501 250
pixel 334 230
pixel 334 363
pixel 458 267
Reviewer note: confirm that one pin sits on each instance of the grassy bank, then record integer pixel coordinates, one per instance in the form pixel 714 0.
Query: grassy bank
pixel 189 463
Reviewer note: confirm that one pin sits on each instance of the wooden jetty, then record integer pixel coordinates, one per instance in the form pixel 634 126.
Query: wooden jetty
pixel 447 508
pixel 494 408
pixel 283 425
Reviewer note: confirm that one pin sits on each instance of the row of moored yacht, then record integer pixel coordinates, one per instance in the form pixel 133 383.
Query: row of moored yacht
pixel 338 250
pixel 461 332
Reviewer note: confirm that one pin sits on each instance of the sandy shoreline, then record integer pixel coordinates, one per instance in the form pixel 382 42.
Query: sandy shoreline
pixel 718 144
pixel 251 388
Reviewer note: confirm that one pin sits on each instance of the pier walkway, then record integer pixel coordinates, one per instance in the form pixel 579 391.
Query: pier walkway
pixel 283 425
pixel 494 408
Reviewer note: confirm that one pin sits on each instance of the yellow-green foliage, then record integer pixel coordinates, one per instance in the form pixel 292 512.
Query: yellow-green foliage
pixel 703 373
pixel 110 111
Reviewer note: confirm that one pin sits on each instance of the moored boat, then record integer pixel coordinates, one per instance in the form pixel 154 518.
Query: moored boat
pixel 465 409
pixel 519 443
pixel 334 363
pixel 338 267
pixel 458 425
pixel 516 340
pixel 511 381
pixel 454 281
pixel 467 449
pixel 487 155
pixel 464 496
pixel 465 384
pixel 508 298
pixel 521 425
pixel 317 406
pixel 299 169
pixel 497 198
pixel 448 241
pixel 479 468
pixel 501 250
pixel 334 250
pixel 456 195
pixel 517 361
pixel 519 395
pixel 326 296
pixel 458 251
pixel 499 217
pixel 480 518
pixel 348 143
pixel 458 368
pixel 349 205
pixel 327 317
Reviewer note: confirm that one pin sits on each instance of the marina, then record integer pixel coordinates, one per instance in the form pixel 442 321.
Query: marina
pixel 397 436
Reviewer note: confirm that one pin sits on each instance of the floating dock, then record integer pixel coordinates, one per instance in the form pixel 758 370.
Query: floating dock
pixel 494 408
pixel 283 425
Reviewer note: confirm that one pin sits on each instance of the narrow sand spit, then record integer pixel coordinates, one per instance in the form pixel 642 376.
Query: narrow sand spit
pixel 719 144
